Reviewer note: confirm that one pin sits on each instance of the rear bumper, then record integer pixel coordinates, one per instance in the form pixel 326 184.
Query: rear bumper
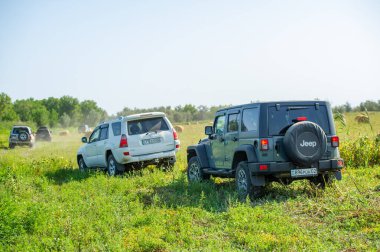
pixel 121 158
pixel 284 168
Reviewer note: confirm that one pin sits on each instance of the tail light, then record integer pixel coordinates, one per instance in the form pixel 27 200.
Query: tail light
pixel 335 141
pixel 123 141
pixel 175 135
pixel 264 145
pixel 177 146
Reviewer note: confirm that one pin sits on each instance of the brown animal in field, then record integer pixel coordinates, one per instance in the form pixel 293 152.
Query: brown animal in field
pixel 64 133
pixel 362 118
pixel 179 128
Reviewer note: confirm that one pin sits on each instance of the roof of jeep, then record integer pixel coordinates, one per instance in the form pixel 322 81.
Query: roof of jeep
pixel 310 102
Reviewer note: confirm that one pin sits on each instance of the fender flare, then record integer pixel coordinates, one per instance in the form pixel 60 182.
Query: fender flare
pixel 200 152
pixel 251 155
pixel 249 151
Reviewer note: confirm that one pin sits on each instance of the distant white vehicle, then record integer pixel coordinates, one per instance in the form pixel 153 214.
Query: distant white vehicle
pixel 131 141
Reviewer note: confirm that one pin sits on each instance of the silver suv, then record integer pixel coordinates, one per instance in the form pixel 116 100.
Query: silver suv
pixel 21 136
pixel 131 141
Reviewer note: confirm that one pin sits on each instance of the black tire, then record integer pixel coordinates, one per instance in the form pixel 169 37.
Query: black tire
pixel 11 146
pixel 82 165
pixel 321 181
pixel 23 136
pixel 305 143
pixel 113 167
pixel 244 185
pixel 195 172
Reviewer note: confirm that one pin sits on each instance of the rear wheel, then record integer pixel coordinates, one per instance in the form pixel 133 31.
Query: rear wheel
pixel 113 167
pixel 195 172
pixel 322 180
pixel 166 166
pixel 244 184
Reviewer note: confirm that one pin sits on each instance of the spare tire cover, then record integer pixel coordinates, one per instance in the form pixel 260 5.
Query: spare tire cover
pixel 23 136
pixel 305 143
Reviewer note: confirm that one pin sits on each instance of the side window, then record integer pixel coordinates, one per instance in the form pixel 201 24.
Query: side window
pixel 233 124
pixel 116 128
pixel 104 133
pixel 250 119
pixel 95 135
pixel 219 125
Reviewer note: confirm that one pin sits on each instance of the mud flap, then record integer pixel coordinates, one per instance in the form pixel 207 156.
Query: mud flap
pixel 338 175
pixel 258 180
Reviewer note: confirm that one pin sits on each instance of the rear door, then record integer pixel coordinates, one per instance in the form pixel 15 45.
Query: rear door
pixel 231 141
pixel 149 136
pixel 280 118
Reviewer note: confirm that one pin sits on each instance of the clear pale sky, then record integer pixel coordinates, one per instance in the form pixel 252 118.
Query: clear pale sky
pixel 153 53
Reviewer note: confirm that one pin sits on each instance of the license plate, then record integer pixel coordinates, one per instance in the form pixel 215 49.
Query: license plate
pixel 310 172
pixel 151 141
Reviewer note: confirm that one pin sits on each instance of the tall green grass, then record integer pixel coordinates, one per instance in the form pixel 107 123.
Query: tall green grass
pixel 47 204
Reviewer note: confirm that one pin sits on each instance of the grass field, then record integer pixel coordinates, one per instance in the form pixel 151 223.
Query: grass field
pixel 47 204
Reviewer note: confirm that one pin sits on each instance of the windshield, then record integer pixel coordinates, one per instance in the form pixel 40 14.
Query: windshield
pixel 280 120
pixel 147 125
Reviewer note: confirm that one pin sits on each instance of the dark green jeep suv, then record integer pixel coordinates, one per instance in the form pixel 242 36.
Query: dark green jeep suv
pixel 259 143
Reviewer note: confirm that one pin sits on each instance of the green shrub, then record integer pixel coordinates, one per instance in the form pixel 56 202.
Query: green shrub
pixel 361 152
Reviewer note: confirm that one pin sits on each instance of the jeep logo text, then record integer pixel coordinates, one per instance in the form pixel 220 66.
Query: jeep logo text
pixel 308 144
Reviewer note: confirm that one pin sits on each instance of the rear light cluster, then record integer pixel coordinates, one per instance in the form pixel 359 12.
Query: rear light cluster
pixel 175 135
pixel 123 141
pixel 340 163
pixel 335 141
pixel 264 145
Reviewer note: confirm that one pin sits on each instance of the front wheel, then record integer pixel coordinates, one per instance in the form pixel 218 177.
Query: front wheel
pixel 195 172
pixel 244 184
pixel 82 165
pixel 11 146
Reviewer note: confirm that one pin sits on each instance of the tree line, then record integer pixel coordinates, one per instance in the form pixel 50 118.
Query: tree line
pixel 69 111
pixel 363 106
pixel 65 111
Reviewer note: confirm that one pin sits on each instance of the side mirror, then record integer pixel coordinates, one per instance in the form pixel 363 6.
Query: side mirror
pixel 208 130
pixel 84 139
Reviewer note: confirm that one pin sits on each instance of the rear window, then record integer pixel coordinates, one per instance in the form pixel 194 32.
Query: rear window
pixel 19 130
pixel 280 120
pixel 250 119
pixel 147 125
pixel 116 128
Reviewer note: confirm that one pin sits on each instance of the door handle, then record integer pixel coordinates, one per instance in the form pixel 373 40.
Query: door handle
pixel 235 139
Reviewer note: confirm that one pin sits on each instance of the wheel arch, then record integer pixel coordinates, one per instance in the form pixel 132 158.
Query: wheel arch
pixel 200 152
pixel 244 153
